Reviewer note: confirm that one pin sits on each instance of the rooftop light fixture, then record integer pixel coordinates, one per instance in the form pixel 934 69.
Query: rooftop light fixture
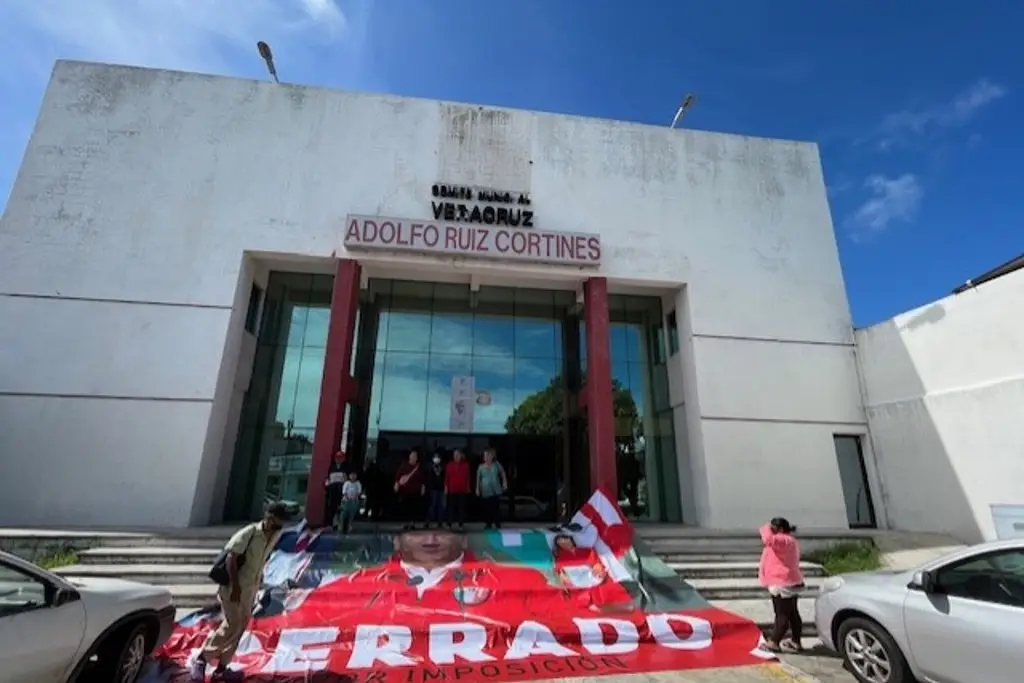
pixel 268 57
pixel 684 106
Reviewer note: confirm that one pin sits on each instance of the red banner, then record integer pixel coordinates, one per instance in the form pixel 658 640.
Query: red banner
pixel 442 606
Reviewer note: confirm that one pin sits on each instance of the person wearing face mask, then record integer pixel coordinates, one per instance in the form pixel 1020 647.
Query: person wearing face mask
pixel 435 491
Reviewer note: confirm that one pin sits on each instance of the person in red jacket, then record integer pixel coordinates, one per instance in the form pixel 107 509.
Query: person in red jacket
pixel 456 488
pixel 410 486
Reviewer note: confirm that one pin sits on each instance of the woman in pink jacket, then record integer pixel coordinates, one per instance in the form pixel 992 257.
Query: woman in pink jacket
pixel 779 572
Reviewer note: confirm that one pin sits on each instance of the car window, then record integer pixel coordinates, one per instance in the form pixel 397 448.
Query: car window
pixel 996 577
pixel 19 591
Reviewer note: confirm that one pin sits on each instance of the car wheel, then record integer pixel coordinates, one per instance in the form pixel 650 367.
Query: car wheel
pixel 870 652
pixel 122 654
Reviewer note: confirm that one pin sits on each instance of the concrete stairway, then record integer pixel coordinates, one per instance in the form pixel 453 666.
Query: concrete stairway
pixel 722 566
pixel 181 564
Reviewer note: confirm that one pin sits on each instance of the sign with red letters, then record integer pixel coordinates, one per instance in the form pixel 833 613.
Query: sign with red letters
pixel 471 240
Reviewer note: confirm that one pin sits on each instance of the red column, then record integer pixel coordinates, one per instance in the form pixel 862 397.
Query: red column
pixel 337 388
pixel 597 392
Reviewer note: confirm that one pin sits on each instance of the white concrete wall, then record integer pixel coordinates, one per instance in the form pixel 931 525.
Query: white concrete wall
pixel 150 185
pixel 944 387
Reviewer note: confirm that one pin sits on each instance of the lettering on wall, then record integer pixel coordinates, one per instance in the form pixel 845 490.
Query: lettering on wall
pixel 477 241
pixel 462 204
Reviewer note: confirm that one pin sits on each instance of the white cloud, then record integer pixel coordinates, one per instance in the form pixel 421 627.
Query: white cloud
pixel 892 200
pixel 900 128
pixel 324 12
pixel 191 35
pixel 839 187
pixel 314 41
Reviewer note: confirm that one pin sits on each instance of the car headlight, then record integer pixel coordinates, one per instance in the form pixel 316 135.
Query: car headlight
pixel 832 583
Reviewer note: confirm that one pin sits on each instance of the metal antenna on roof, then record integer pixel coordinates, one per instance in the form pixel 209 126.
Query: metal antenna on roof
pixel 684 106
pixel 268 57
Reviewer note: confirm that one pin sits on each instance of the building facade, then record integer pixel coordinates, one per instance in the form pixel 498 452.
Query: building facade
pixel 210 285
pixel 943 387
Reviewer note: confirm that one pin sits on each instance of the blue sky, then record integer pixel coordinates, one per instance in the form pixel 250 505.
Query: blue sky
pixel 916 106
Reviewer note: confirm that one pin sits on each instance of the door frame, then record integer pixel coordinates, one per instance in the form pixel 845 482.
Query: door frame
pixel 872 522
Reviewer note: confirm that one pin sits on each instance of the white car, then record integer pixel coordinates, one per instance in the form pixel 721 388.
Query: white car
pixel 54 630
pixel 958 619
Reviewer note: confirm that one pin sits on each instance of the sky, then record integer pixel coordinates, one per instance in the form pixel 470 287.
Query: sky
pixel 915 106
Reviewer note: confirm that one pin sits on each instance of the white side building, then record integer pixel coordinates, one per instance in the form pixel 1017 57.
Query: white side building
pixel 944 387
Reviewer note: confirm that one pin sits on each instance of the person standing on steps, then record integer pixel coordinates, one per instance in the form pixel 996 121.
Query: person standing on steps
pixel 490 484
pixel 456 488
pixel 351 498
pixel 410 487
pixel 337 475
pixel 779 572
pixel 435 491
pixel 246 553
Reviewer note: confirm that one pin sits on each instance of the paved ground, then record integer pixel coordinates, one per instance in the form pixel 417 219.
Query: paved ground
pixel 819 664
pixel 766 673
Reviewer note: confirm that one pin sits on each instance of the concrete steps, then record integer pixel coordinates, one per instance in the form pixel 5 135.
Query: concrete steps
pixel 160 542
pixel 726 569
pixel 708 558
pixel 743 589
pixel 722 566
pixel 148 555
pixel 157 574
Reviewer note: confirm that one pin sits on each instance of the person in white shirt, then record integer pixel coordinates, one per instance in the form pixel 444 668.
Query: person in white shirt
pixel 351 498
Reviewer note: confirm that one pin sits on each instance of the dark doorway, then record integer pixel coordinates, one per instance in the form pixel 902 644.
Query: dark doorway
pixel 853 474
pixel 531 465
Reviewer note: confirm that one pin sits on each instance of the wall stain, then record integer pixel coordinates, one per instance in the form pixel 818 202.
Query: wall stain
pixel 929 316
pixel 102 89
pixel 484 146
pixel 296 94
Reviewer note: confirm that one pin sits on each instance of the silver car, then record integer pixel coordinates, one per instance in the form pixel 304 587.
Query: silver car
pixel 958 619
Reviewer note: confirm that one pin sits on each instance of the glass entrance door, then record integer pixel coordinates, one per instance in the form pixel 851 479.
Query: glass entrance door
pixel 531 465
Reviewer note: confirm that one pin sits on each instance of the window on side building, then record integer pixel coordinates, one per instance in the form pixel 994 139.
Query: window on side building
pixel 673 334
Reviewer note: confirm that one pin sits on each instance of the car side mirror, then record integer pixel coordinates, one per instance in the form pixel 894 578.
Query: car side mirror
pixel 63 596
pixel 925 581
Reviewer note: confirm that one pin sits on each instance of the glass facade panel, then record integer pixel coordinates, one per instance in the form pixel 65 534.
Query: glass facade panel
pixel 508 340
pixel 273 451
pixel 443 366
pixel 647 464
pixel 403 393
pixel 409 331
pixel 493 336
pixel 419 336
pixel 495 380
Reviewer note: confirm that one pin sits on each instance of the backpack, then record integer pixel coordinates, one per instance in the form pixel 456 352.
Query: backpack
pixel 219 570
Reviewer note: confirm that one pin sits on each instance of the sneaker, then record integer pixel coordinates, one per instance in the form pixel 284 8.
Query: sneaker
pixel 771 646
pixel 789 645
pixel 197 671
